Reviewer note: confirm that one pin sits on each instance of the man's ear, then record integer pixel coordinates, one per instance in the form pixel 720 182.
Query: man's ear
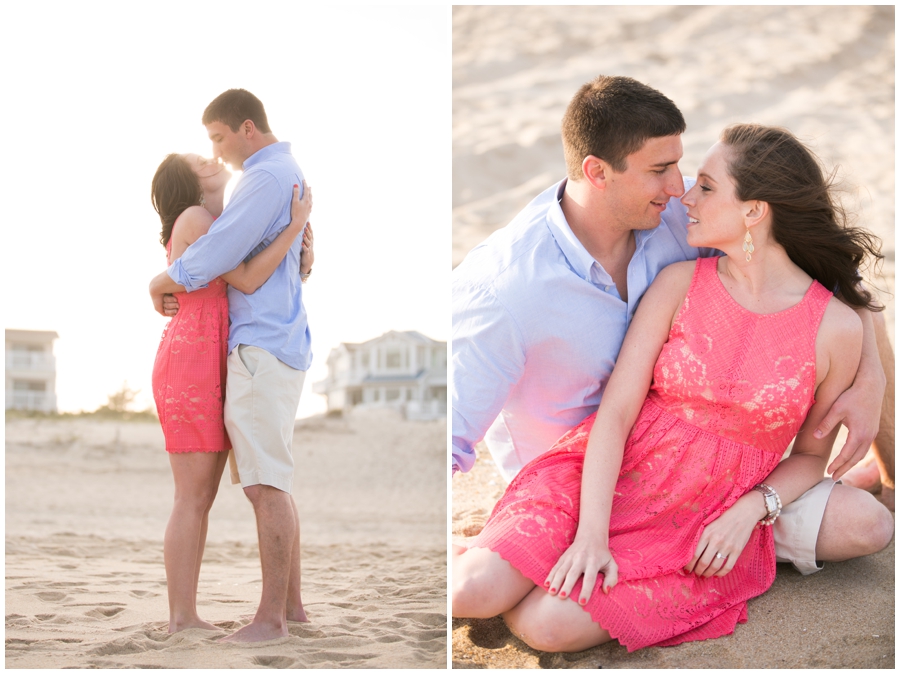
pixel 595 171
pixel 248 128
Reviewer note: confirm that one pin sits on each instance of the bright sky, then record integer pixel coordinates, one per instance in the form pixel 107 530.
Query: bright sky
pixel 97 95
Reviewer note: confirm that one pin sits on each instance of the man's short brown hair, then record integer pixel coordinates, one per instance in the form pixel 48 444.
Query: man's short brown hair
pixel 234 107
pixel 611 118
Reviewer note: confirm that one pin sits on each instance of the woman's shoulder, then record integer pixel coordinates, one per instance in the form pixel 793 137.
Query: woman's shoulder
pixel 678 274
pixel 841 326
pixel 193 223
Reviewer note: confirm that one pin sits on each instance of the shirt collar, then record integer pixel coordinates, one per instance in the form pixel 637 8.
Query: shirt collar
pixel 575 253
pixel 267 152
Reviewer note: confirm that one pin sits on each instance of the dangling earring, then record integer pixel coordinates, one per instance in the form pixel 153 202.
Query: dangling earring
pixel 748 244
pixel 203 203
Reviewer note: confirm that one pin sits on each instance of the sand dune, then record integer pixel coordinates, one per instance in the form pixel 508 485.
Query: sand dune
pixel 86 507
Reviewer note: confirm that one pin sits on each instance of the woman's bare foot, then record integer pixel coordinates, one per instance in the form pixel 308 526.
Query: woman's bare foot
pixel 257 631
pixel 196 623
pixel 297 615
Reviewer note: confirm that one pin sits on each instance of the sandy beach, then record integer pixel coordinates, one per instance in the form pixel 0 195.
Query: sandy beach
pixel 87 503
pixel 826 73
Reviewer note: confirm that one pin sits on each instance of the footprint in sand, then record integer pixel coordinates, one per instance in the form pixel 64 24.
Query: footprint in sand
pixel 141 594
pixel 429 619
pixel 51 596
pixel 105 612
pixel 275 661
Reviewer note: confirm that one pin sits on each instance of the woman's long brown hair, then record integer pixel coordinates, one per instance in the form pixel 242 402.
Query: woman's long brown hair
pixel 174 189
pixel 769 164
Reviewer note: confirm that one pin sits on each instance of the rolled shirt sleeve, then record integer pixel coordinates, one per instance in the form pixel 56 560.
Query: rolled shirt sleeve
pixel 488 359
pixel 257 202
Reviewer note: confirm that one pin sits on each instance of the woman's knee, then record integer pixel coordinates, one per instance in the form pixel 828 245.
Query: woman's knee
pixel 554 625
pixel 197 498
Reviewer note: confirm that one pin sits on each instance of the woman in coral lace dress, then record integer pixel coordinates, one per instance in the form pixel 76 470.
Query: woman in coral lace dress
pixel 648 522
pixel 189 372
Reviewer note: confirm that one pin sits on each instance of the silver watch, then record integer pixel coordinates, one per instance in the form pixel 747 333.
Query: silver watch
pixel 772 501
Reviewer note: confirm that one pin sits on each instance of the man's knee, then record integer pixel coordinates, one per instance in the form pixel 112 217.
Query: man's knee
pixel 261 495
pixel 857 524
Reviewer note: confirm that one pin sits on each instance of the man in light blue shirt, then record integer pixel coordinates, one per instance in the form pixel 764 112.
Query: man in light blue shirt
pixel 269 342
pixel 541 307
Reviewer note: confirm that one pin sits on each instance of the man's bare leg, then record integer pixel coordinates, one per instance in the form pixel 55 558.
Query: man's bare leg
pixel 878 467
pixel 884 441
pixel 295 611
pixel 854 524
pixel 276 530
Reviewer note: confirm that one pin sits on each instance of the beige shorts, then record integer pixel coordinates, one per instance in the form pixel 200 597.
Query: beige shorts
pixel 261 398
pixel 797 528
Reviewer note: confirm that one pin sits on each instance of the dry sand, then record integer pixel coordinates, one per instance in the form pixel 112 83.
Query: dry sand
pixel 827 73
pixel 87 504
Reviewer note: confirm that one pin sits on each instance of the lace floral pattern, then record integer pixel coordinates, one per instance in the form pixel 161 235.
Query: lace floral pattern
pixel 731 388
pixel 189 372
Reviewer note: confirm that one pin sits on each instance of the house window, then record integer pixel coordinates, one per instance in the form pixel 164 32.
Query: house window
pixel 393 359
pixel 438 358
pixel 365 359
pixel 392 394
pixel 29 386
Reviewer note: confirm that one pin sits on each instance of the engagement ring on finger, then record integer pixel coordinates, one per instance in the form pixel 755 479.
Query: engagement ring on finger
pixel 719 555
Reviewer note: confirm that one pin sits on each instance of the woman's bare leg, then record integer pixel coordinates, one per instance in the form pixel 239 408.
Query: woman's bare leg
pixel 217 480
pixel 195 488
pixel 548 623
pixel 484 584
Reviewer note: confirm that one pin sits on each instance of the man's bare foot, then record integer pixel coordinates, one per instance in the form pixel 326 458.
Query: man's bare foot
pixel 195 624
pixel 864 475
pixel 257 632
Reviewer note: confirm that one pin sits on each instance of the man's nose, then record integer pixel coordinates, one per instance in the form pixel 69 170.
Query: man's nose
pixel 675 186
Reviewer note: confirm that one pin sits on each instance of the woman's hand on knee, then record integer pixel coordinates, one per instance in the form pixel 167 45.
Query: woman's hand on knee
pixel 582 559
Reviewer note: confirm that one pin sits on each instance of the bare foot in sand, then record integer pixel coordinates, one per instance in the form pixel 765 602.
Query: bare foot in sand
pixel 297 615
pixel 192 624
pixel 257 632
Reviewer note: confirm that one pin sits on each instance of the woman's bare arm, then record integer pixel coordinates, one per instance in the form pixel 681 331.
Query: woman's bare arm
pixel 625 394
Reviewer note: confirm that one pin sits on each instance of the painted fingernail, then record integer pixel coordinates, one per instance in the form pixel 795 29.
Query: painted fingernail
pixel 582 601
pixel 546 583
pixel 552 590
pixel 562 594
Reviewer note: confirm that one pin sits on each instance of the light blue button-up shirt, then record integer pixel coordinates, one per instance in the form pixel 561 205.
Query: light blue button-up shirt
pixel 273 318
pixel 537 327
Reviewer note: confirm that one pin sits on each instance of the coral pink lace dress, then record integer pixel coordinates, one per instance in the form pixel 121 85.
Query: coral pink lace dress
pixel 189 372
pixel 730 390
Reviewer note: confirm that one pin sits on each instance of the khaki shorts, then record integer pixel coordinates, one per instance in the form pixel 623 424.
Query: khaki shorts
pixel 797 528
pixel 261 398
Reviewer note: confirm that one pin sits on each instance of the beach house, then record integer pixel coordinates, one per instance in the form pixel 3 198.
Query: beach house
pixel 404 370
pixel 30 370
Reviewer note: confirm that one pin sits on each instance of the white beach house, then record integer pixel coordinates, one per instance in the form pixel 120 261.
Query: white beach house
pixel 405 370
pixel 30 370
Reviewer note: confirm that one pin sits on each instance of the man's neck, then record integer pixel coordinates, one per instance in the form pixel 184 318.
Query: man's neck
pixel 612 247
pixel 264 140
